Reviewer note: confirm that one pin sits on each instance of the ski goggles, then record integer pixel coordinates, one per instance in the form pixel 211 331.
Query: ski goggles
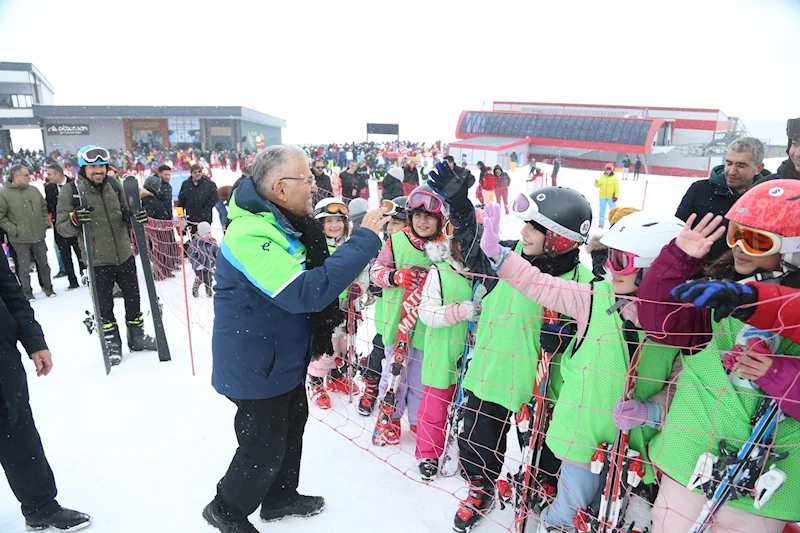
pixel 448 229
pixel 752 241
pixel 622 263
pixel 391 208
pixel 93 155
pixel 333 209
pixel 425 200
pixel 524 208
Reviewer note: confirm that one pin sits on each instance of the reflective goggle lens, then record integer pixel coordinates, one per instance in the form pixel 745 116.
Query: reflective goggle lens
pixel 96 154
pixel 430 202
pixel 448 229
pixel 620 262
pixel 752 241
pixel 390 206
pixel 336 209
pixel 522 203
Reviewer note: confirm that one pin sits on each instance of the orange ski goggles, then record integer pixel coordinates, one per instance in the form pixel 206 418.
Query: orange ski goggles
pixel 753 241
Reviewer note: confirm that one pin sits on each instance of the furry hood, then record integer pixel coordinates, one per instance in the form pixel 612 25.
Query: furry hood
pixel 438 251
pixel 595 244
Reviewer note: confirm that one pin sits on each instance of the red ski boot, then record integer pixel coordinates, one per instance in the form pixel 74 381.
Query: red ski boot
pixel 479 502
pixel 317 394
pixel 341 384
pixel 367 402
pixel 389 435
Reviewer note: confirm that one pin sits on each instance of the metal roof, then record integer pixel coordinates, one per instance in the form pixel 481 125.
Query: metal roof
pixel 487 141
pixel 27 67
pixel 208 112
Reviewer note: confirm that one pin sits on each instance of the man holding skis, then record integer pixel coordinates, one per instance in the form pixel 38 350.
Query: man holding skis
pixel 107 212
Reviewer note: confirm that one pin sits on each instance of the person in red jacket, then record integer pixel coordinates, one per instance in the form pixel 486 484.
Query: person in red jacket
pixel 488 186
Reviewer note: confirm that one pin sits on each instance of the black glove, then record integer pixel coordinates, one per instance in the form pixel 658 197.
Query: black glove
pixel 82 215
pixel 722 296
pixel 141 217
pixel 452 185
pixel 554 338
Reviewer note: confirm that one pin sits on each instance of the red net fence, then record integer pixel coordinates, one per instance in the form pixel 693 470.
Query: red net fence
pixel 608 436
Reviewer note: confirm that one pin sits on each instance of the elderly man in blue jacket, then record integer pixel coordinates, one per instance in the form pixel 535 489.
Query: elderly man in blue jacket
pixel 275 307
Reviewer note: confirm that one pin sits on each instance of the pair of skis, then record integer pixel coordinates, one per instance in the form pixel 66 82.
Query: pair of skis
pixel 725 477
pixel 131 190
pixel 622 466
pixel 405 328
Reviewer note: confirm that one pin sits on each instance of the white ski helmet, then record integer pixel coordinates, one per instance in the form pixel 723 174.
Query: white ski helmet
pixel 643 235
pixel 330 207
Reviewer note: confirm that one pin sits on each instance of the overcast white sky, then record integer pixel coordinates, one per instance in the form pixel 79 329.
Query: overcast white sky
pixel 330 67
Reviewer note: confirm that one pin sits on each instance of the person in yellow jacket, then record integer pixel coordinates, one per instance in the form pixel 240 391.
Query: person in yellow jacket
pixel 609 191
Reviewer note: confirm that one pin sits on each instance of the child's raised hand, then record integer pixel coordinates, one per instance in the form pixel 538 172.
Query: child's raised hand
pixel 696 242
pixel 490 240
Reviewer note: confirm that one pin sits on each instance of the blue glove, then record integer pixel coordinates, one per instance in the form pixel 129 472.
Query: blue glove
pixel 554 338
pixel 723 296
pixel 451 185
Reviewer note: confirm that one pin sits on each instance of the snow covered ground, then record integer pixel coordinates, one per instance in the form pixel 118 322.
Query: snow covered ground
pixel 142 449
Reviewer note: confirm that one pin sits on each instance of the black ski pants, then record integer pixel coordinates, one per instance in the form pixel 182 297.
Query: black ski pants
pixel 125 276
pixel 482 441
pixel 266 465
pixel 65 247
pixel 22 456
pixel 373 370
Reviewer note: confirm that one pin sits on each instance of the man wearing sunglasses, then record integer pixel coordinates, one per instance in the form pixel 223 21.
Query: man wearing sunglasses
pixel 324 187
pixel 744 162
pixel 276 305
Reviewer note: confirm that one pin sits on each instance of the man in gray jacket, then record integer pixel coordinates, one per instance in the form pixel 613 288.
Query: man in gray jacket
pixel 23 215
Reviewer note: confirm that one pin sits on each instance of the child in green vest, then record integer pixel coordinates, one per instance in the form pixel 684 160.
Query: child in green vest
pixel 724 383
pixel 401 265
pixel 594 367
pixel 510 334
pixel 327 373
pixel 446 308
pixel 372 370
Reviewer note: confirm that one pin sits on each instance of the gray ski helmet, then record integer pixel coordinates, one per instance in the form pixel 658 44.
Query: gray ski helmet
pixel 564 211
pixel 400 201
pixel 444 212
pixel 358 208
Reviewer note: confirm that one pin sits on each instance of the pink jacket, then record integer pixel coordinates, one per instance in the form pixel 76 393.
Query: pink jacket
pixel 686 326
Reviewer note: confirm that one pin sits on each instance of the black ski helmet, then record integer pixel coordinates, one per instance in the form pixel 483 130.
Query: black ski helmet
pixel 565 214
pixel 400 202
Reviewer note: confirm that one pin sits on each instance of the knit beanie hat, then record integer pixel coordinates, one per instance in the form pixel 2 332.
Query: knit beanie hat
pixel 616 214
pixel 203 228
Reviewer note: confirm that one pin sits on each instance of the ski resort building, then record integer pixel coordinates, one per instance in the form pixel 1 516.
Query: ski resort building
pixel 27 101
pixel 669 140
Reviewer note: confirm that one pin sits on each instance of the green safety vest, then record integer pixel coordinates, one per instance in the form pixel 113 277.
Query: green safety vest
pixel 708 408
pixel 503 365
pixel 444 346
pixel 594 373
pixel 405 255
pixel 380 312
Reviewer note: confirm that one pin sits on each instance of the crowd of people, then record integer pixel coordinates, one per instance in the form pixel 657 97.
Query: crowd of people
pixel 687 308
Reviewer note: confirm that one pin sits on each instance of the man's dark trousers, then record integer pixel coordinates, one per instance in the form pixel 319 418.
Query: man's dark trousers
pixel 22 456
pixel 266 466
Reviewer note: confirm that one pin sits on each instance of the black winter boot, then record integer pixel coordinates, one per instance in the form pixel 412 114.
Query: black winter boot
pixel 196 288
pixel 137 340
pixel 296 505
pixel 478 503
pixel 113 342
pixel 61 520
pixel 215 516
